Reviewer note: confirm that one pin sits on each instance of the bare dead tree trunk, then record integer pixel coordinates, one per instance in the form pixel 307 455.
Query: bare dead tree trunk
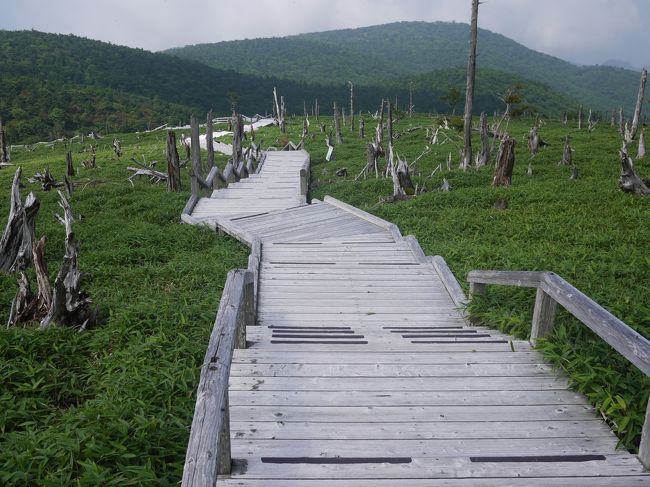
pixel 505 163
pixel 26 307
pixel 629 181
pixel 237 139
pixel 283 115
pixel 70 305
pixel 567 154
pixel 351 106
pixel 362 128
pixel 304 109
pixel 337 125
pixel 641 152
pixel 466 158
pixel 533 140
pixel 117 148
pixel 621 122
pixel 4 155
pixel 484 158
pixel 173 164
pixel 639 104
pixel 580 117
pixel 209 144
pixel 69 167
pixel 19 234
pixel 410 99
pixel 316 109
pixel 612 121
pixel 565 118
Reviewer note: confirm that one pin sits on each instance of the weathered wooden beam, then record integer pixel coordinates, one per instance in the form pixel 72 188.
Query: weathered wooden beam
pixel 449 280
pixel 644 446
pixel 506 278
pixel 615 332
pixel 208 450
pixel 209 140
pixel 543 315
pixel 195 169
pixel 173 164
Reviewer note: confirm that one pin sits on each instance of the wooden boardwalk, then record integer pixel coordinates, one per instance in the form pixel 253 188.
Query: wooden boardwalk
pixel 361 370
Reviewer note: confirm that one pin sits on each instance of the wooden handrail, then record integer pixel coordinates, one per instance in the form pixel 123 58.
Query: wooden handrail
pixel 208 449
pixel 553 290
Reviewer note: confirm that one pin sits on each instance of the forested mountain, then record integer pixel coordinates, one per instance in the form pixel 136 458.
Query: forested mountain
pixel 371 54
pixel 55 85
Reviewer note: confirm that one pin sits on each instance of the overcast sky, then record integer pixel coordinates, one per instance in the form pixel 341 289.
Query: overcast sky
pixel 582 31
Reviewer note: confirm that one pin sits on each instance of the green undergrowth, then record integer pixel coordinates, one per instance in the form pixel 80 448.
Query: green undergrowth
pixel 113 405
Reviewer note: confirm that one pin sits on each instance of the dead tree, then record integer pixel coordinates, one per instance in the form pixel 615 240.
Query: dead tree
pixel 351 106
pixel 4 155
pixel 565 118
pixel 533 140
pixel 69 167
pixel 20 232
pixel 612 121
pixel 505 163
pixel 337 125
pixel 92 162
pixel 636 119
pixel 591 123
pixel 283 114
pixel 466 158
pixel 173 164
pixel 279 110
pixel 70 305
pixel 641 152
pixel 405 185
pixel 484 158
pixel 410 99
pixel 621 122
pixel 629 181
pixel 27 307
pixel 580 117
pixel 117 148
pixel 567 154
pixel 237 138
pixel 316 109
pixel 209 144
pixel 330 156
pixel 46 179
pixel 362 128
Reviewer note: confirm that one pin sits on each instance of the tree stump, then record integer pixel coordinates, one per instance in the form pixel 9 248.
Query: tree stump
pixel 629 181
pixel 641 152
pixel 69 167
pixel 567 154
pixel 484 157
pixel 20 232
pixel 117 148
pixel 70 305
pixel 362 128
pixel 505 163
pixel 173 164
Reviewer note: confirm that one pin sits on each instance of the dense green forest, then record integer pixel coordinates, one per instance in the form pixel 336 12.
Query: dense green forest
pixel 413 48
pixel 55 85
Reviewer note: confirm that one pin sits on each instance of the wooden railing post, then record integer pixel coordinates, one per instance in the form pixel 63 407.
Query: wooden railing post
pixel 644 447
pixel 224 462
pixel 543 315
pixel 476 288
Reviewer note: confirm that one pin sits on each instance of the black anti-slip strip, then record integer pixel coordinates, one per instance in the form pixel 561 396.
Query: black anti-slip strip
pixel 335 460
pixel 540 458
pixel 400 328
pixel 459 341
pixel 329 337
pixel 441 335
pixel 327 342
pixel 280 327
pixel 335 332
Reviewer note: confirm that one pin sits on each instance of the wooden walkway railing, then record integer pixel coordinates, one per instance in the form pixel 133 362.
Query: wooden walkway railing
pixel 553 290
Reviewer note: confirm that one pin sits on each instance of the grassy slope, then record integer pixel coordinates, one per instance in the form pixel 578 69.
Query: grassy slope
pixel 113 406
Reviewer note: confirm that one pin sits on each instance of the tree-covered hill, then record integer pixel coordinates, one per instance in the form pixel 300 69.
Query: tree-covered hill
pixel 404 49
pixel 54 85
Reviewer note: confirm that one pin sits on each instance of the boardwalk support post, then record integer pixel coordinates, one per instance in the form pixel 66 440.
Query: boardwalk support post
pixel 543 315
pixel 644 447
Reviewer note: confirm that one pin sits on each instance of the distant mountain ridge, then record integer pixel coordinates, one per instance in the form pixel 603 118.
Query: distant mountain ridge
pixel 371 55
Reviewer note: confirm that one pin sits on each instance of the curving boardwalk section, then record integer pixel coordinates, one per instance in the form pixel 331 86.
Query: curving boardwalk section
pixel 361 371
